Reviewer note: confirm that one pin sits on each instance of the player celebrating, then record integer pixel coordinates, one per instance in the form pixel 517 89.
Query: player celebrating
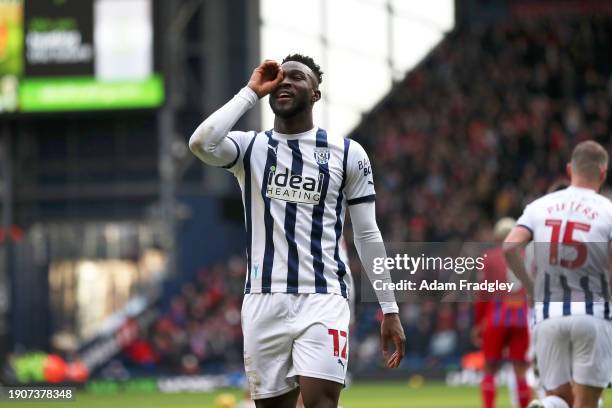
pixel 297 182
pixel 571 229
pixel 501 324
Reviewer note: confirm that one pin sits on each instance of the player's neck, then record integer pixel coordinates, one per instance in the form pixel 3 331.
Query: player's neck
pixel 582 183
pixel 299 123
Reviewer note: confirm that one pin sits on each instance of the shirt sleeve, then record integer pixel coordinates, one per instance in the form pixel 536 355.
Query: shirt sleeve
pixel 241 142
pixel 365 236
pixel 359 186
pixel 526 220
pixel 609 208
pixel 212 143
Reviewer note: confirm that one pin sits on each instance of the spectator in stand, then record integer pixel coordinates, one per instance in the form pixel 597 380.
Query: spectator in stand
pixel 486 123
pixel 482 127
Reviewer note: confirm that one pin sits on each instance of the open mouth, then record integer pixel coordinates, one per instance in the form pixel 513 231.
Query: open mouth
pixel 284 95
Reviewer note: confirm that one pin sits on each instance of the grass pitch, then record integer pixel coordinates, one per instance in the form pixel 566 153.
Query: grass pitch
pixel 359 395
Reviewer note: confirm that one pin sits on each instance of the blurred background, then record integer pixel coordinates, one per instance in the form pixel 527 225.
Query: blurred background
pixel 122 256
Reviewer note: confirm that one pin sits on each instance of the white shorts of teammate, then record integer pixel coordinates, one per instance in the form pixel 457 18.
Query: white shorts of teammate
pixel 289 335
pixel 574 349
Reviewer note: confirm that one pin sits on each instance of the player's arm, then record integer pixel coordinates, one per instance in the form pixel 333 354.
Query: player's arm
pixel 360 195
pixel 209 142
pixel 610 260
pixel 518 238
pixel 369 244
pixel 481 306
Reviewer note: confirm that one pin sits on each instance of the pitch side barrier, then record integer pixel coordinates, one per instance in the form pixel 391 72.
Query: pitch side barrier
pixel 39 369
pixel 474 271
pixel 119 332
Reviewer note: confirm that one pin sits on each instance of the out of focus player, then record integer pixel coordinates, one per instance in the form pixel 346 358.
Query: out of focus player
pixel 571 230
pixel 297 181
pixel 501 324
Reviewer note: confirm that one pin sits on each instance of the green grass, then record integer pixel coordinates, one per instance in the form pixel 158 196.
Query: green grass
pixel 400 395
pixel 359 395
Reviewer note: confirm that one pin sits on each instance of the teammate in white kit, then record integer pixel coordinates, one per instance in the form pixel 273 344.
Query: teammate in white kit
pixel 571 230
pixel 297 182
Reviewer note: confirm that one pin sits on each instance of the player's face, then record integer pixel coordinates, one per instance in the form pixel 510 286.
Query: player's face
pixel 297 91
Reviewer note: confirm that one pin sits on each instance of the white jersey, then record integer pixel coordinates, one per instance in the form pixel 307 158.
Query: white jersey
pixel 571 230
pixel 295 190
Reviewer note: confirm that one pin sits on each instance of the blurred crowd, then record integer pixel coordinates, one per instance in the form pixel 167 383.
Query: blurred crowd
pixel 486 123
pixel 198 330
pixel 483 126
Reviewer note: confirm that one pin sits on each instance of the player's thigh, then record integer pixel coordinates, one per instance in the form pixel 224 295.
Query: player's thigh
pixel 518 349
pixel 319 393
pixel 591 351
pixel 267 345
pixel 518 345
pixel 321 348
pixel 564 392
pixel 552 346
pixel 493 344
pixel 287 400
pixel 322 352
pixel 586 396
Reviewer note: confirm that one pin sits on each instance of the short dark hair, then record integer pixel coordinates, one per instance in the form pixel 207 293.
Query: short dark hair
pixel 308 61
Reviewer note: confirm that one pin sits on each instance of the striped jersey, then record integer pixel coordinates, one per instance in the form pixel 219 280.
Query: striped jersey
pixel 295 190
pixel 571 230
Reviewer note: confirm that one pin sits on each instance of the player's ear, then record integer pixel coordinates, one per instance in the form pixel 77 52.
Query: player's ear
pixel 603 173
pixel 568 170
pixel 316 96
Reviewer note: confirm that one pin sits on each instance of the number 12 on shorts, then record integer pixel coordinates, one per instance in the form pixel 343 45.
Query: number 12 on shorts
pixel 336 334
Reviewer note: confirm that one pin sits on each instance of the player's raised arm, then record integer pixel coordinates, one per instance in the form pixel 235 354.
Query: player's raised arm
pixel 209 142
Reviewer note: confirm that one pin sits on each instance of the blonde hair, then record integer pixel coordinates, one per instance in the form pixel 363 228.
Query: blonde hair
pixel 503 227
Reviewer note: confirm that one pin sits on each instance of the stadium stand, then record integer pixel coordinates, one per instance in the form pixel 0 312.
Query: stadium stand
pixel 481 127
pixel 486 123
pixel 199 330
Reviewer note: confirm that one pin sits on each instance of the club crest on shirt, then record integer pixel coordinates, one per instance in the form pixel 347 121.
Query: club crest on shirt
pixel 321 155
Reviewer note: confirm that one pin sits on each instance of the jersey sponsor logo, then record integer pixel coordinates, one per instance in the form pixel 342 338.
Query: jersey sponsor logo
pixel 294 188
pixel 364 166
pixel 321 155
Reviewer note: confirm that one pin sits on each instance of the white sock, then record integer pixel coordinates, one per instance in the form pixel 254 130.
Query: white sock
pixel 552 401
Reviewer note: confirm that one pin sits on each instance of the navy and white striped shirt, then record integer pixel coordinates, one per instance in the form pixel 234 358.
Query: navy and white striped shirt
pixel 571 230
pixel 295 190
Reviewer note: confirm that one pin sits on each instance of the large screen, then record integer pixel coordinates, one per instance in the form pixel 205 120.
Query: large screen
pixel 70 55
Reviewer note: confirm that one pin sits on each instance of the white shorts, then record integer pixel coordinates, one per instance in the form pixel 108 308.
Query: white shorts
pixel 574 349
pixel 289 335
